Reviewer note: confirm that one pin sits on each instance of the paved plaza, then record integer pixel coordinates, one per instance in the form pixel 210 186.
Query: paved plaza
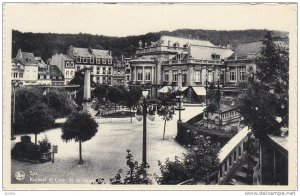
pixel 105 153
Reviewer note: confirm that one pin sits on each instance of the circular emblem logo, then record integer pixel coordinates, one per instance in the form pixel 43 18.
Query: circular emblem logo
pixel 20 175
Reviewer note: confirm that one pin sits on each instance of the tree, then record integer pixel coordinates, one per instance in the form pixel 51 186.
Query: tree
pixel 59 102
pixel 213 98
pixel 198 163
pixel 36 119
pixel 78 79
pixel 100 91
pixel 115 95
pixel 81 127
pixel 136 174
pixel 166 109
pixel 166 112
pixel 133 97
pixel 264 104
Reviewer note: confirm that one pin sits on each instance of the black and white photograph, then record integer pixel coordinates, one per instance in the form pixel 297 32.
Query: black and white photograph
pixel 99 96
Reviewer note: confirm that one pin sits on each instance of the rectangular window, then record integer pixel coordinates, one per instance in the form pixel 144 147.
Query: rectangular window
pixel 103 61
pixel 98 70
pixel 139 74
pixel 41 77
pixel 67 73
pixel 71 73
pixel 48 77
pixel 184 75
pixel 232 76
pixel 175 75
pixel 243 74
pixel 97 60
pixel 166 75
pixel 20 75
pixel 109 70
pixel 148 74
pixel 104 70
pixel 15 74
pixel 197 76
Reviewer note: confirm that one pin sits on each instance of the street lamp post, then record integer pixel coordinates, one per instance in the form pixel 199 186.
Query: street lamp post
pixel 14 85
pixel 219 96
pixel 206 88
pixel 142 114
pixel 179 97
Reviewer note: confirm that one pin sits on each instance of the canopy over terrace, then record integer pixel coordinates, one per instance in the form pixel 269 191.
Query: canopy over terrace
pixel 167 89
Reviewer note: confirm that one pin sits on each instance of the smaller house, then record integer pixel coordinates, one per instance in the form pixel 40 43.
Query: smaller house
pixel 226 118
pixel 57 78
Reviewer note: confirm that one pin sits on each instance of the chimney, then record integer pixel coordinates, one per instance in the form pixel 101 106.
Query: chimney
pixel 109 52
pixel 122 57
pixel 169 43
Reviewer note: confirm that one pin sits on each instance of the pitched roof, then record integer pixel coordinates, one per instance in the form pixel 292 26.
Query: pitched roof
pixel 205 53
pixel 28 58
pixel 54 71
pixel 87 52
pixel 183 41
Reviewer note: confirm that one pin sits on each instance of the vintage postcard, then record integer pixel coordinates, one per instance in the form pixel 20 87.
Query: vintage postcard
pixel 150 96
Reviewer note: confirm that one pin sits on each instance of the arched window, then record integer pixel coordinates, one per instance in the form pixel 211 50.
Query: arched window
pixel 72 64
pixel 67 64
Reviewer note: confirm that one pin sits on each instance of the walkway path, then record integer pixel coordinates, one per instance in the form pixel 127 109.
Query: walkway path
pixel 105 153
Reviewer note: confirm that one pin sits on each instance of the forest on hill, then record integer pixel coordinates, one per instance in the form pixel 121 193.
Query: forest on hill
pixel 46 44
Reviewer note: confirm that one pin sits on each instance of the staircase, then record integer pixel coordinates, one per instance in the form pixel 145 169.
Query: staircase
pixel 244 175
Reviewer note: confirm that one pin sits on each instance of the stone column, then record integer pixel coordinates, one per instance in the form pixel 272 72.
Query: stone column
pixel 179 79
pixel 87 90
pixel 152 75
pixel 191 76
pixel 159 70
pixel 143 74
pixel 236 79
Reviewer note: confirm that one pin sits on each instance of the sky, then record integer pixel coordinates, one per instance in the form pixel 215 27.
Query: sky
pixel 136 19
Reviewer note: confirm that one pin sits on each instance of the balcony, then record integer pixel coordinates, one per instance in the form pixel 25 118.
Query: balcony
pixel 194 61
pixel 160 49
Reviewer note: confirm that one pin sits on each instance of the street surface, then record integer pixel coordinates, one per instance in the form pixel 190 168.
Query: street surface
pixel 105 153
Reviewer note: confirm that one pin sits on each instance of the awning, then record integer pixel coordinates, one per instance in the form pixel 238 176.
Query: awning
pixel 199 90
pixel 167 89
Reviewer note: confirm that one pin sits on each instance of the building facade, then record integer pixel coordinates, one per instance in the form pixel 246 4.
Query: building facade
pixel 119 75
pixel 25 68
pixel 179 61
pixel 99 60
pixel 65 64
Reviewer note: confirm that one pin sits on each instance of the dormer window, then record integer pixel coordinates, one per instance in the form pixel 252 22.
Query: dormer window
pixel 85 60
pixel 215 56
pixel 92 60
pixel 78 59
pixel 103 61
pixel 97 60
pixel 67 64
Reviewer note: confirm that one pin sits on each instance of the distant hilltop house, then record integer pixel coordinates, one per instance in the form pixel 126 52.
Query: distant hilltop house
pixel 30 70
